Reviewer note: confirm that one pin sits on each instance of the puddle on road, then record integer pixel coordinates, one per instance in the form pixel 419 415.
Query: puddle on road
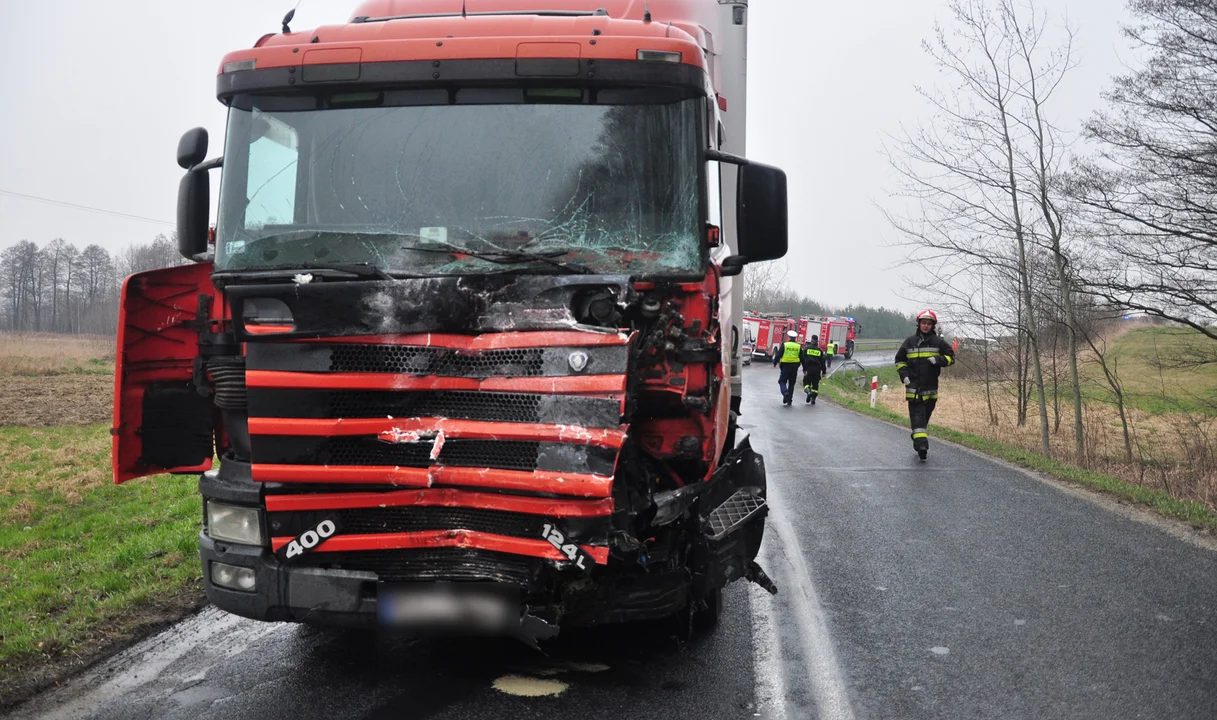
pixel 538 682
pixel 525 686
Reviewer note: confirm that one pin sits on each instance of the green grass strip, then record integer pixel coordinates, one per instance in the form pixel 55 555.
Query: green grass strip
pixel 82 561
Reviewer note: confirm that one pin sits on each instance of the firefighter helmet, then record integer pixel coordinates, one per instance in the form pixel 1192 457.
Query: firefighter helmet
pixel 927 314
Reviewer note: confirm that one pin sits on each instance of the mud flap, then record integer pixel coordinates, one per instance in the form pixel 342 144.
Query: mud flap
pixel 731 517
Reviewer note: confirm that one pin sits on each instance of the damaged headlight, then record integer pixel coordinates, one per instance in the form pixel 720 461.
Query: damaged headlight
pixel 234 523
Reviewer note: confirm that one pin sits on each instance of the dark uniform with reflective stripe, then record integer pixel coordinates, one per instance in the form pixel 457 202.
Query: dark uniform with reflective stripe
pixel 813 366
pixel 921 391
pixel 789 361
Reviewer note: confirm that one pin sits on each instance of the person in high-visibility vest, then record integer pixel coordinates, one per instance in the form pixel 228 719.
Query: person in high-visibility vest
pixel 919 361
pixel 813 368
pixel 788 360
pixel 832 350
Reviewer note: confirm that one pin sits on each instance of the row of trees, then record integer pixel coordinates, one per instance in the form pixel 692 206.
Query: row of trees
pixel 64 289
pixel 765 290
pixel 1041 233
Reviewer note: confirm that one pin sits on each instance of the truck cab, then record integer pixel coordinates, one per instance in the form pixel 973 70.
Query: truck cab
pixel 467 323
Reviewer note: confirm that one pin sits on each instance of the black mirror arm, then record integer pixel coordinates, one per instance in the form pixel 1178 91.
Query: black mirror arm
pixel 712 154
pixel 733 265
pixel 211 164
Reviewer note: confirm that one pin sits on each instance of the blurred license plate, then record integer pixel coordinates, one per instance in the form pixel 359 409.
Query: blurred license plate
pixel 448 608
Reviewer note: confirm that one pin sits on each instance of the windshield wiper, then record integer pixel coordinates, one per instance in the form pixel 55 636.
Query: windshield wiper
pixel 359 270
pixel 505 257
pixel 363 270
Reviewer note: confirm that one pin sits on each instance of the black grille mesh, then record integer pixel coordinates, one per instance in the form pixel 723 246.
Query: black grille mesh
pixel 455 404
pixel 505 454
pixel 359 521
pixel 415 360
pixel 436 564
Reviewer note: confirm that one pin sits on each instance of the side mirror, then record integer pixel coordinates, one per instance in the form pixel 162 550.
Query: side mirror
pixel 193 199
pixel 192 148
pixel 194 193
pixel 733 265
pixel 762 213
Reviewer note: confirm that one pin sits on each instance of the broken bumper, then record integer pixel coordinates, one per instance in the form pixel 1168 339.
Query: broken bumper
pixel 347 598
pixel 331 597
pixel 729 511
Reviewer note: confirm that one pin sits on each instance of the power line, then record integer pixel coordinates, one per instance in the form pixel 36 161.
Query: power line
pixel 86 207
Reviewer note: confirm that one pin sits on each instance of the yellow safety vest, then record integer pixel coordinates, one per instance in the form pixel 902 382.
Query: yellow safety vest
pixel 790 352
pixel 832 348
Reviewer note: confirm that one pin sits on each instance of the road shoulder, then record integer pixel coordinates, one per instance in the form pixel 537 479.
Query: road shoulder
pixel 1194 525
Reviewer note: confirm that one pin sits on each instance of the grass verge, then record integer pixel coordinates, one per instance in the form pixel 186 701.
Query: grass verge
pixel 84 565
pixel 1162 370
pixel 47 354
pixel 845 391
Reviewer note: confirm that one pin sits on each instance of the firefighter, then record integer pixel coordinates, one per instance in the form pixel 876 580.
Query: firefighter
pixel 813 367
pixel 919 360
pixel 788 359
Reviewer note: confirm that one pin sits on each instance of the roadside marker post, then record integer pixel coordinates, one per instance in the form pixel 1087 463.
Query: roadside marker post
pixel 874 389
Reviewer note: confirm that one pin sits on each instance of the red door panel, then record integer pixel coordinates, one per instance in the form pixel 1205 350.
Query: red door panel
pixel 160 423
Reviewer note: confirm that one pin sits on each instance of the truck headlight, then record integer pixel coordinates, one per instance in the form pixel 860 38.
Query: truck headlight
pixel 233 577
pixel 234 523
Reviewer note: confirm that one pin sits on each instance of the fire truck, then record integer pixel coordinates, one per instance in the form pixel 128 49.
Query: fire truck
pixel 466 326
pixel 764 333
pixel 829 329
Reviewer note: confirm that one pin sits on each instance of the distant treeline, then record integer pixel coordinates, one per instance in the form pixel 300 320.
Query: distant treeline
pixel 61 288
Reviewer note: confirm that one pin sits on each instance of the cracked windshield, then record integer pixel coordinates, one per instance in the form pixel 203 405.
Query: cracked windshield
pixel 501 184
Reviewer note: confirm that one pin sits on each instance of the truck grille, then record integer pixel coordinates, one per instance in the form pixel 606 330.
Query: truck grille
pixel 415 360
pixel 360 521
pixel 522 435
pixel 526 455
pixel 437 564
pixel 456 404
pixel 453 404
pixel 509 455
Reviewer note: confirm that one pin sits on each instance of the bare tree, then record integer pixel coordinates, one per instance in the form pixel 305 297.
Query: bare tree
pixel 1041 81
pixel 762 282
pixel 60 289
pixel 1151 190
pixel 966 175
pixel 55 254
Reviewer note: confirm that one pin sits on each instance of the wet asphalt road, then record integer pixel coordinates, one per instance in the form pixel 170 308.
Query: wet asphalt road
pixel 955 589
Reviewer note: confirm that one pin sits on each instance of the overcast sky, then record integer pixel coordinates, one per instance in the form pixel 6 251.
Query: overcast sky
pixel 96 96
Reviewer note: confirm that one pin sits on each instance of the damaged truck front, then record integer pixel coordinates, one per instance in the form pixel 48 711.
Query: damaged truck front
pixel 464 328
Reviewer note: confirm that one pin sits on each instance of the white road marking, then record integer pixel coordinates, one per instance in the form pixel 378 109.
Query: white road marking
pixel 146 661
pixel 824 678
pixel 766 656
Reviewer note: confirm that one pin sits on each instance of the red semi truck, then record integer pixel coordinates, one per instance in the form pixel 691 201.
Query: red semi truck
pixel 466 325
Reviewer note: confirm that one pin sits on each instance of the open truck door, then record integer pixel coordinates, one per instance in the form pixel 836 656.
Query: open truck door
pixel 161 421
